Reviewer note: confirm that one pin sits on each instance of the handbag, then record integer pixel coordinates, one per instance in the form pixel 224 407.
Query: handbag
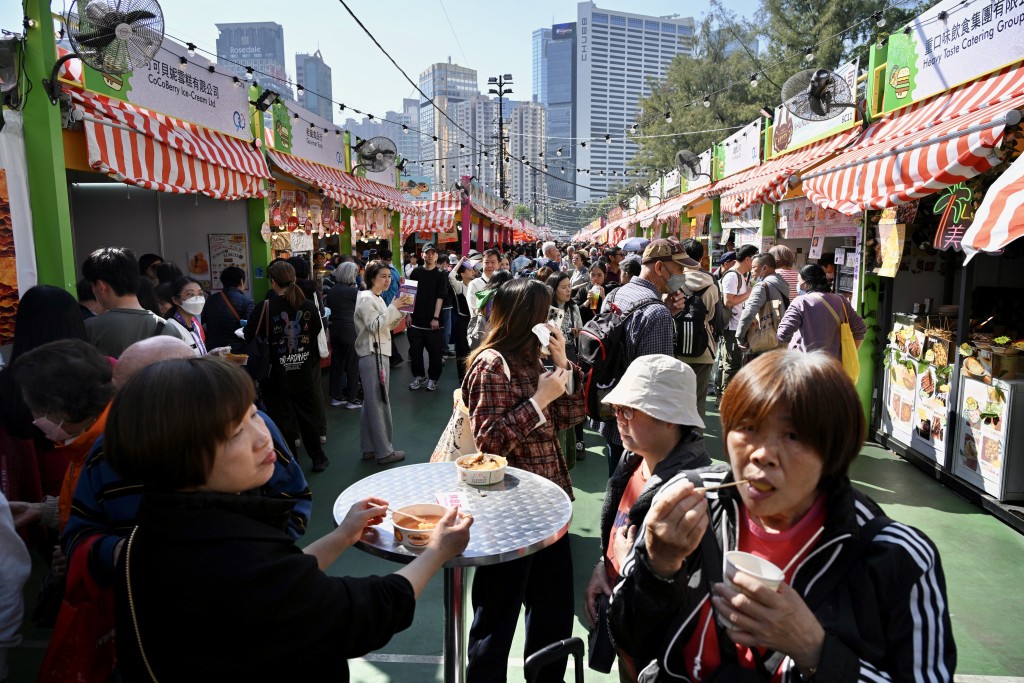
pixel 258 348
pixel 321 337
pixel 847 344
pixel 600 648
pixel 82 645
pixel 457 438
pixel 763 332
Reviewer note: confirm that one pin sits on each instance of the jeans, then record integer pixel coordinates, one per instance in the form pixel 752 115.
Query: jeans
pixel 344 369
pixel 446 323
pixel 433 341
pixel 703 372
pixel 543 583
pixel 375 429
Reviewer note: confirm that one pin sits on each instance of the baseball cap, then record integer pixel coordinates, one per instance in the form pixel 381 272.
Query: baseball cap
pixel 660 386
pixel 429 247
pixel 667 250
pixel 727 256
pixel 453 259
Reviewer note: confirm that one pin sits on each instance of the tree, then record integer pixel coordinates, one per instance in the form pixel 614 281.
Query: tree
pixel 521 211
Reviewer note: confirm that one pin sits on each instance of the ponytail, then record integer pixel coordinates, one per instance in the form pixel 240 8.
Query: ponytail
pixel 293 296
pixel 282 274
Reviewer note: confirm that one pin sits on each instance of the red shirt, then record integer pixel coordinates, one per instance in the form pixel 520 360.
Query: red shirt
pixel 634 488
pixel 701 651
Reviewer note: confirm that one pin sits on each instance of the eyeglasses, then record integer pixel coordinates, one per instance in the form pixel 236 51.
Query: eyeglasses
pixel 625 412
pixel 190 293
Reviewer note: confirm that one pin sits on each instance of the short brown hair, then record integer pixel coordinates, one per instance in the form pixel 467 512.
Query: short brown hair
pixel 820 399
pixel 167 421
pixel 784 256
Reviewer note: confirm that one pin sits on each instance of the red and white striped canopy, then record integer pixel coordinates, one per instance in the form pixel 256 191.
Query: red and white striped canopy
pixel 141 147
pixel 446 201
pixel 769 182
pixel 1000 218
pixel 432 221
pixel 921 149
pixel 681 202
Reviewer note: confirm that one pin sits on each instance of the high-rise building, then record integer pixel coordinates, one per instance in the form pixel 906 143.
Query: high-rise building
pixel 554 68
pixel 259 45
pixel 617 54
pixel 447 84
pixel 408 140
pixel 526 179
pixel 315 78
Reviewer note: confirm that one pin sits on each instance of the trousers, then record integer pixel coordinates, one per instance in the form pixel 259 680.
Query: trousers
pixel 295 414
pixel 344 369
pixel 732 358
pixel 703 372
pixel 433 342
pixel 375 429
pixel 543 583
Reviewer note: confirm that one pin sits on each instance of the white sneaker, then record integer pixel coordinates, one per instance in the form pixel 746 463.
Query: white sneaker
pixel 337 402
pixel 431 385
pixel 417 382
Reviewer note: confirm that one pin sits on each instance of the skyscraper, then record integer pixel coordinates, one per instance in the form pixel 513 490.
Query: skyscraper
pixel 447 84
pixel 315 78
pixel 408 140
pixel 554 68
pixel 617 53
pixel 525 178
pixel 541 37
pixel 259 45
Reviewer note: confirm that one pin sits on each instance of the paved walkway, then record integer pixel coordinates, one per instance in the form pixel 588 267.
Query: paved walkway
pixel 982 557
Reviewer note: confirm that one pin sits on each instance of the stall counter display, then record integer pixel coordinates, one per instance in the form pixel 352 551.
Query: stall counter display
pixel 988 454
pixel 900 396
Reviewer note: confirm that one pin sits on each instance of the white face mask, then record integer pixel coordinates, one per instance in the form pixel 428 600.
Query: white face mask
pixel 675 283
pixel 194 306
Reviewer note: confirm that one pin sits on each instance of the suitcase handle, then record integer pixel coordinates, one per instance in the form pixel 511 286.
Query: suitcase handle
pixel 541 658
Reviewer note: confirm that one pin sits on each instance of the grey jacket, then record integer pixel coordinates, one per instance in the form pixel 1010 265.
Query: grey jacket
pixel 776 288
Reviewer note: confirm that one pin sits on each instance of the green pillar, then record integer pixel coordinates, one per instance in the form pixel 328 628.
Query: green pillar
pixel 345 236
pixel 396 240
pixel 768 224
pixel 638 232
pixel 663 229
pixel 716 217
pixel 869 287
pixel 44 148
pixel 259 213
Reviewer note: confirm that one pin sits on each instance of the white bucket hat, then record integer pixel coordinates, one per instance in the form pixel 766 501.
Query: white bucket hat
pixel 660 386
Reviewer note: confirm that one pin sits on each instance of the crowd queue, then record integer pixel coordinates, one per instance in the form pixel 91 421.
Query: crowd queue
pixel 166 472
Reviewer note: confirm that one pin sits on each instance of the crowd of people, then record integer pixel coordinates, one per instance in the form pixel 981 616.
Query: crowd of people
pixel 164 470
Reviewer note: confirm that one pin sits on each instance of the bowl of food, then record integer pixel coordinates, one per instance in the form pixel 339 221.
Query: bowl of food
pixel 481 469
pixel 237 358
pixel 413 524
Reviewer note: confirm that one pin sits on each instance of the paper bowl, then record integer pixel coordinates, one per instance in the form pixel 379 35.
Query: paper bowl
pixel 481 477
pixel 237 358
pixel 407 531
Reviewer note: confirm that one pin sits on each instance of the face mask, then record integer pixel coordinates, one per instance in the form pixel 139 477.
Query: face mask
pixel 800 291
pixel 55 432
pixel 675 283
pixel 194 306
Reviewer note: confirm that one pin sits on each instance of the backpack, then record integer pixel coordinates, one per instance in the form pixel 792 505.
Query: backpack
pixel 723 314
pixel 602 355
pixel 692 337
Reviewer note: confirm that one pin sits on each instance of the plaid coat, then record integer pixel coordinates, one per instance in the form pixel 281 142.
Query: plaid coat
pixel 505 422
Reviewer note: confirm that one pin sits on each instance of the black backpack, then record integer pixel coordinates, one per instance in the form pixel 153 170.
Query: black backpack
pixel 692 337
pixel 602 355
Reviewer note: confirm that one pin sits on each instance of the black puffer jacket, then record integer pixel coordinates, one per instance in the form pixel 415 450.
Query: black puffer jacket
pixel 887 618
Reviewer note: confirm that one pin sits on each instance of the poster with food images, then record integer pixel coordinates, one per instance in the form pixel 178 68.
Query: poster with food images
pixel 900 395
pixel 930 410
pixel 199 267
pixel 982 432
pixel 8 266
pixel 227 250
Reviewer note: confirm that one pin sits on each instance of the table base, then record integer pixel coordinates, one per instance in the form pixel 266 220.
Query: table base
pixel 453 650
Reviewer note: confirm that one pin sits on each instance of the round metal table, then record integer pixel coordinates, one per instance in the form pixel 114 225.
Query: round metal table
pixel 513 518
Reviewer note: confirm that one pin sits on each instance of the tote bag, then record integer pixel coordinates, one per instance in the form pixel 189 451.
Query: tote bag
pixel 763 332
pixel 847 344
pixel 457 438
pixel 258 348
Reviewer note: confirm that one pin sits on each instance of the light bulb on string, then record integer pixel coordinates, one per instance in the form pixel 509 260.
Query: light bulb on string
pixel 299 90
pixel 809 55
pixel 191 49
pixel 248 73
pixel 707 101
pixel 753 80
pixel 879 19
pixel 668 117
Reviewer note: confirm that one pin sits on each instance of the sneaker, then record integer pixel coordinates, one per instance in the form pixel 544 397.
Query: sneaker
pixel 449 353
pixel 354 405
pixel 394 457
pixel 323 439
pixel 369 455
pixel 337 402
pixel 581 451
pixel 431 385
pixel 320 464
pixel 417 382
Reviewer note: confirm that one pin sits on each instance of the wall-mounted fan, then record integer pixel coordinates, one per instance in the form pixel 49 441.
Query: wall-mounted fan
pixel 688 164
pixel 111 36
pixel 624 203
pixel 376 154
pixel 817 95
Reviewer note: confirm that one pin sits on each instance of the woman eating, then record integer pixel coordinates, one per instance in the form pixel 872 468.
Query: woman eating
pixel 374 321
pixel 205 544
pixel 517 409
pixel 862 598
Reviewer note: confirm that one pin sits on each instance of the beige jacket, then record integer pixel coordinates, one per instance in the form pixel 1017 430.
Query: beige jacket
pixel 374 322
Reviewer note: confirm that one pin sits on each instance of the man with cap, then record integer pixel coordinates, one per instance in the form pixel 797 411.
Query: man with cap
pixel 699 280
pixel 425 329
pixel 662 433
pixel 614 256
pixel 735 291
pixel 650 329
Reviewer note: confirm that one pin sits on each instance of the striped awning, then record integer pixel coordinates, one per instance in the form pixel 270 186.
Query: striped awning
pixel 432 221
pixel 493 216
pixel 681 202
pixel 140 147
pixel 446 201
pixel 769 182
pixel 1000 218
pixel 922 148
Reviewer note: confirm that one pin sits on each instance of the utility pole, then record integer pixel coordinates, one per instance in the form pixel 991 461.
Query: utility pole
pixel 533 183
pixel 499 89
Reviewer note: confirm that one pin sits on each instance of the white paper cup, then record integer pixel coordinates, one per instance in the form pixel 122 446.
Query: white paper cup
pixel 751 565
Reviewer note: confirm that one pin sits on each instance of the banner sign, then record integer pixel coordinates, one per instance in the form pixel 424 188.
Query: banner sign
pixel 750 219
pixel 306 135
pixel 742 150
pixel 790 132
pixel 228 250
pixel 800 218
pixel 969 40
pixel 188 92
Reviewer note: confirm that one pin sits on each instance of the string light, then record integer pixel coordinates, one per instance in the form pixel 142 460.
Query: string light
pixel 753 80
pixel 184 63
pixel 668 117
pixel 299 90
pixel 249 71
pixel 707 101
pixel 809 55
pixel 879 19
pixel 191 49
pixel 559 151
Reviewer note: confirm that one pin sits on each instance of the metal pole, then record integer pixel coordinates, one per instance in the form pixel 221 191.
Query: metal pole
pixel 501 138
pixel 454 625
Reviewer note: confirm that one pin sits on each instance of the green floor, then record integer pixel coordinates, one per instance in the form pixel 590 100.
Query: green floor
pixel 978 552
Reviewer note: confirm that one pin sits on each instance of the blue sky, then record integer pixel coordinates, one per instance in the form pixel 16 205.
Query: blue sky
pixel 492 37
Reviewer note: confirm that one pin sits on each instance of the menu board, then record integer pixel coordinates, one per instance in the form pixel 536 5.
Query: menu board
pixel 981 442
pixel 900 395
pixel 228 250
pixel 800 218
pixel 930 411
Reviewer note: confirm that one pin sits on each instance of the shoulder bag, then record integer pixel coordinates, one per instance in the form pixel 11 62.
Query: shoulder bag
pixel 847 344
pixel 457 438
pixel 258 349
pixel 763 332
pixel 321 337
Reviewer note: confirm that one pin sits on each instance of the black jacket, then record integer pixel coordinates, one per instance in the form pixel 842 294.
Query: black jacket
pixel 341 299
pixel 690 453
pixel 221 321
pixel 222 593
pixel 887 618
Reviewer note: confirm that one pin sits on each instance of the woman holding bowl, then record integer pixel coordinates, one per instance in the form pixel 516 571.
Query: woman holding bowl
pixel 862 597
